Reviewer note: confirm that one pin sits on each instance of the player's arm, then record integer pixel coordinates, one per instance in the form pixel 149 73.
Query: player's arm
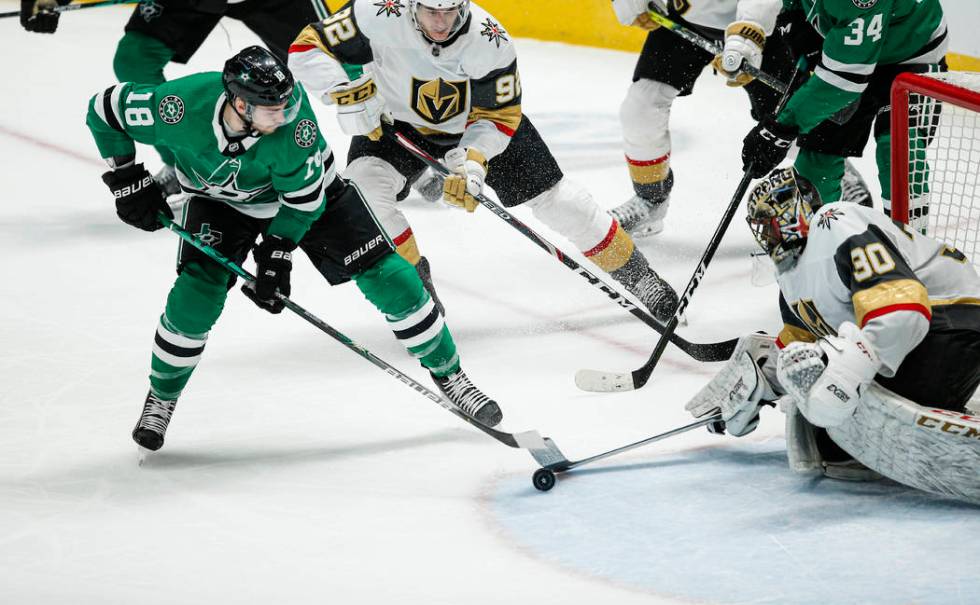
pixel 299 177
pixel 119 117
pixel 745 38
pixel 849 56
pixel 329 53
pixel 793 330
pixel 495 110
pixel 634 12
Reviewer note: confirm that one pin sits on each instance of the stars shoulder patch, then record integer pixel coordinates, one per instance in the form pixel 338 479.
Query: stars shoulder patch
pixel 494 32
pixel 305 133
pixel 864 3
pixel 171 109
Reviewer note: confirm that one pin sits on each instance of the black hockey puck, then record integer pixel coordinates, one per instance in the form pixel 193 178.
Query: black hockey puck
pixel 543 479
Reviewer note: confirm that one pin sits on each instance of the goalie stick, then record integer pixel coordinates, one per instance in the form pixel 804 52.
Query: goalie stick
pixel 74 7
pixel 529 440
pixel 711 351
pixel 609 382
pixel 552 461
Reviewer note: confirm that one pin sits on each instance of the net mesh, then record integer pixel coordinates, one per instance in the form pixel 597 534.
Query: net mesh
pixel 944 165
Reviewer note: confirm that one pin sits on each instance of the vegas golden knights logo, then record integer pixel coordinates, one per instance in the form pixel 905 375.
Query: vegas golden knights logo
pixel 808 314
pixel 438 100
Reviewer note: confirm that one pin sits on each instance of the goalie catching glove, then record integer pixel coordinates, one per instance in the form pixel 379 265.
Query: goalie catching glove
pixel 359 108
pixel 744 41
pixel 469 168
pixel 827 378
pixel 740 388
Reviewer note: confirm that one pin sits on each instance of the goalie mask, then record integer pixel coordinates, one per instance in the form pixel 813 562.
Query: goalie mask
pixel 439 20
pixel 779 212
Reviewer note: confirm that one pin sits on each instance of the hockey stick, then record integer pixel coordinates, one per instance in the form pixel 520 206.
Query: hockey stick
pixel 608 382
pixel 529 440
pixel 715 48
pixel 75 7
pixel 712 351
pixel 544 477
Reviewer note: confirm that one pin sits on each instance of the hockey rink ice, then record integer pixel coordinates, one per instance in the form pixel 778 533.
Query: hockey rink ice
pixel 296 472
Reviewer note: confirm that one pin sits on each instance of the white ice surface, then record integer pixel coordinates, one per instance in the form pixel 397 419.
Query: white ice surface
pixel 295 472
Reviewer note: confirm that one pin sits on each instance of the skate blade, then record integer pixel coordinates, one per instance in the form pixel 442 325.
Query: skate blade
pixel 648 230
pixel 142 454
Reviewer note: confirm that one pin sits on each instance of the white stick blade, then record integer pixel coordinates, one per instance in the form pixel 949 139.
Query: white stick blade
pixel 603 382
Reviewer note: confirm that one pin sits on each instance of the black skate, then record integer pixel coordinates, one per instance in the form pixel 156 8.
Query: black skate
pixel 853 189
pixel 470 400
pixel 152 425
pixel 656 295
pixel 425 274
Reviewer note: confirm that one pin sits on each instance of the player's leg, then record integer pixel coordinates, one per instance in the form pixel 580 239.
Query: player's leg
pixel 667 68
pixel 278 22
pixel 527 172
pixel 154 37
pixel 348 242
pixel 193 306
pixel 384 171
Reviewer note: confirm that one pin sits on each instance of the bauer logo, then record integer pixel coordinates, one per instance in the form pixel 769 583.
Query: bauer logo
pixel 356 254
pixel 305 134
pixel 171 109
pixel 864 3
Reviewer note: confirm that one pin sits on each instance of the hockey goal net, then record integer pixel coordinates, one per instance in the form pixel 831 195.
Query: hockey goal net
pixel 936 156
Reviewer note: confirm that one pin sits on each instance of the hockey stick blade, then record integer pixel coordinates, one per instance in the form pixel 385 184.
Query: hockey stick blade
pixel 597 381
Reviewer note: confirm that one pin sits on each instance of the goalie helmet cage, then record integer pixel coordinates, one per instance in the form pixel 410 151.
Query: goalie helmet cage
pixel 935 128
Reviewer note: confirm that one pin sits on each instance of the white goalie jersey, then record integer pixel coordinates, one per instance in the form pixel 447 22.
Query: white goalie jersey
pixel 468 85
pixel 894 283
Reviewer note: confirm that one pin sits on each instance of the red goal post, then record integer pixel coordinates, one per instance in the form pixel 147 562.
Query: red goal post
pixel 935 138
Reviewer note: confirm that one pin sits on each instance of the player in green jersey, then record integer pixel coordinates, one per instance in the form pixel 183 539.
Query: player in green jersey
pixel 863 46
pixel 250 157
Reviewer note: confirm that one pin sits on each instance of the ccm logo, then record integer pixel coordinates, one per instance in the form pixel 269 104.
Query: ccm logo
pixel 129 190
pixel 838 393
pixel 356 254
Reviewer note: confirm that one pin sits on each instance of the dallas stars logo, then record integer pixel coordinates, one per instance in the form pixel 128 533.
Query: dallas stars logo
pixel 832 214
pixel 305 133
pixel 149 10
pixel 208 236
pixel 390 7
pixel 171 109
pixel 493 32
pixel 223 183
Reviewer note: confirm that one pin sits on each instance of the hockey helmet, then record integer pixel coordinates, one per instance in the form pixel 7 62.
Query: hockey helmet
pixel 261 80
pixel 779 212
pixel 425 11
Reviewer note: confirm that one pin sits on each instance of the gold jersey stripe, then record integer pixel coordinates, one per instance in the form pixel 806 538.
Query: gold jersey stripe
pixel 906 292
pixel 794 334
pixel 509 116
pixel 967 300
pixel 309 37
pixel 648 173
pixel 613 252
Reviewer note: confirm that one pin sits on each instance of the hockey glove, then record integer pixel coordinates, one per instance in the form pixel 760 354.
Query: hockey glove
pixel 634 12
pixel 359 108
pixel 744 41
pixel 827 378
pixel 800 37
pixel 38 16
pixel 138 197
pixel 766 146
pixel 273 264
pixel 468 167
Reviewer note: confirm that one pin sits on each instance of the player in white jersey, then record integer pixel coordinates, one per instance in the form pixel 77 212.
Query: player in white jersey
pixel 878 319
pixel 446 72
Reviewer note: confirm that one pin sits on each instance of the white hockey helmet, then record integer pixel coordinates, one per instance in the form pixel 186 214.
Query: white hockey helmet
pixel 424 15
pixel 779 212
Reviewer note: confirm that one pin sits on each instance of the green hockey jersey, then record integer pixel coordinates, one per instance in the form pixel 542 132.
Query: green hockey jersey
pixel 279 176
pixel 858 36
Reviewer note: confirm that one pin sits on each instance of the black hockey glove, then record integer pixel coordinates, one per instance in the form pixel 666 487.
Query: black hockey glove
pixel 44 21
pixel 766 146
pixel 273 263
pixel 800 37
pixel 138 197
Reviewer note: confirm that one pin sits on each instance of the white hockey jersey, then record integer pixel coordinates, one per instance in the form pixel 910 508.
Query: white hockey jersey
pixel 894 283
pixel 468 85
pixel 713 14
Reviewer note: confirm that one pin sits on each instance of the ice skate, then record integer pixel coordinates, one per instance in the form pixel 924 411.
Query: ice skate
pixel 152 425
pixel 656 295
pixel 467 398
pixel 853 189
pixel 641 217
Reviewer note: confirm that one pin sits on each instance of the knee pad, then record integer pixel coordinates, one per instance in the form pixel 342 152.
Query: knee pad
pixel 644 116
pixel 379 183
pixel 569 209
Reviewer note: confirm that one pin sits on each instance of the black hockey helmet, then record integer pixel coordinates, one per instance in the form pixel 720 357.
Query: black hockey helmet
pixel 257 77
